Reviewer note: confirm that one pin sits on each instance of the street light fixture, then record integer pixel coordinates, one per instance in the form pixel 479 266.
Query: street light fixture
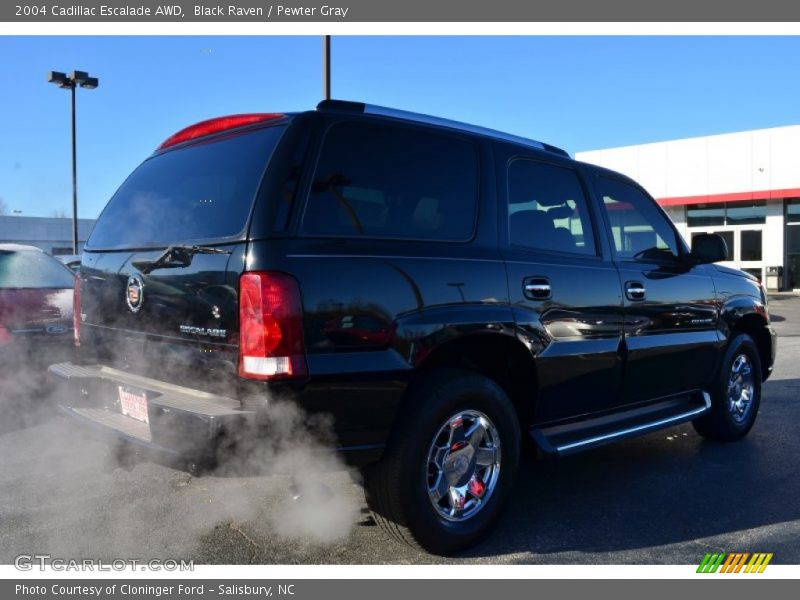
pixel 75 79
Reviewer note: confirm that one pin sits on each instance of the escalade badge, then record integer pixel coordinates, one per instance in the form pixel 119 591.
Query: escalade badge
pixel 134 293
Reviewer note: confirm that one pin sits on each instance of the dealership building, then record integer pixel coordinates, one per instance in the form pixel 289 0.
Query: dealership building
pixel 51 234
pixel 744 186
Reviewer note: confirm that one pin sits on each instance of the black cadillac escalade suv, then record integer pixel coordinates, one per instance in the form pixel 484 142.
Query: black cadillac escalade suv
pixel 441 290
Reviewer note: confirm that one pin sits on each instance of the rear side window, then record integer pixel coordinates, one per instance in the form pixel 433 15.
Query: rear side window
pixel 547 209
pixel 375 180
pixel 33 270
pixel 203 192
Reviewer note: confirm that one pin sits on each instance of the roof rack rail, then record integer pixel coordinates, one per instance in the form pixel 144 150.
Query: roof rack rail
pixel 383 111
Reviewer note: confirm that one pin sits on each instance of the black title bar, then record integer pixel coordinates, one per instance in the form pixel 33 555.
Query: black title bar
pixel 731 11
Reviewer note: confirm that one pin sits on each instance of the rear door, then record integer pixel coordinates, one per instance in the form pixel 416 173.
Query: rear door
pixel 564 289
pixel 177 321
pixel 670 309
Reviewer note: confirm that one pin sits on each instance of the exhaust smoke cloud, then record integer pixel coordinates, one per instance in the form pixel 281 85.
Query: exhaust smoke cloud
pixel 66 492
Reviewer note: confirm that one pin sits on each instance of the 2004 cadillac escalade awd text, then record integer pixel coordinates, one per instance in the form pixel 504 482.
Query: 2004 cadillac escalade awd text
pixel 439 289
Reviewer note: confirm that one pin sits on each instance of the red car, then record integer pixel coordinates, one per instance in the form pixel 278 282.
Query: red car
pixel 36 325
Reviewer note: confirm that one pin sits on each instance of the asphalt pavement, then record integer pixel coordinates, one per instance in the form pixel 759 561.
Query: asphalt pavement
pixel 667 498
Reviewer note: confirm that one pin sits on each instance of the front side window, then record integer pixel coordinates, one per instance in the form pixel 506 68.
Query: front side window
pixel 638 228
pixel 547 209
pixel 388 181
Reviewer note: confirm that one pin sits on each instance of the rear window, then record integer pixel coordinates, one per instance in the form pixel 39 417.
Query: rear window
pixel 200 193
pixel 33 270
pixel 377 180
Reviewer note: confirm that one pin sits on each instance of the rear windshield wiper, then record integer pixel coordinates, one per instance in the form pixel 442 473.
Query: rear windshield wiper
pixel 179 255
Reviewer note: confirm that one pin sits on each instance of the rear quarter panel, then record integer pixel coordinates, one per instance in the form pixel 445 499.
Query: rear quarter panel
pixel 372 313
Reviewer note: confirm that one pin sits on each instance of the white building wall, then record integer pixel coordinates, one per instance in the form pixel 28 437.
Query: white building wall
pixel 764 159
pixel 689 160
pixel 784 159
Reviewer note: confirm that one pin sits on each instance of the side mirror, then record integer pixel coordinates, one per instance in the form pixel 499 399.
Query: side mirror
pixel 708 248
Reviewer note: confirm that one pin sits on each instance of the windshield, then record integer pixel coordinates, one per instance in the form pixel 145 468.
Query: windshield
pixel 200 193
pixel 31 269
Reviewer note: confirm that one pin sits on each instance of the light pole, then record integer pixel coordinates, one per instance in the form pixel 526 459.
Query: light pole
pixel 75 79
pixel 326 67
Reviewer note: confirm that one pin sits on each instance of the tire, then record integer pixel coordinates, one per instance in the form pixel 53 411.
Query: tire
pixel 431 430
pixel 730 421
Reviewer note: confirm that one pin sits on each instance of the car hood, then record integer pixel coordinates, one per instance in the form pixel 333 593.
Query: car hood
pixel 735 272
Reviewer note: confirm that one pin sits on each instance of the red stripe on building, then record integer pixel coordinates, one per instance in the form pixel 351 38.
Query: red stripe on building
pixel 732 197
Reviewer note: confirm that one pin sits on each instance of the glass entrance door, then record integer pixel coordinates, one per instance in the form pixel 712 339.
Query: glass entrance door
pixel 792 256
pixel 792 270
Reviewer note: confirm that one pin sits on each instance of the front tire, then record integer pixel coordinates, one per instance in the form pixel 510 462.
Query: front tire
pixel 736 396
pixel 450 463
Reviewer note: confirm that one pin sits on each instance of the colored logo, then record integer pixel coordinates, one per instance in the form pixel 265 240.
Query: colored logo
pixel 134 293
pixel 56 329
pixel 740 562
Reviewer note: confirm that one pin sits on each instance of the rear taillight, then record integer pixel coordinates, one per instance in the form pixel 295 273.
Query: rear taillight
pixel 270 327
pixel 5 336
pixel 76 312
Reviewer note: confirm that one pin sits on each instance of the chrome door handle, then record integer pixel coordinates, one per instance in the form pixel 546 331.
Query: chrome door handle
pixel 635 291
pixel 538 289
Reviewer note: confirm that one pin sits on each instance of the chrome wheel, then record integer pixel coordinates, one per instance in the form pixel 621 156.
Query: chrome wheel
pixel 741 388
pixel 463 465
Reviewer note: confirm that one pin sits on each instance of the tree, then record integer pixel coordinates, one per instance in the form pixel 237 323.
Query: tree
pixel 3 207
pixel 58 214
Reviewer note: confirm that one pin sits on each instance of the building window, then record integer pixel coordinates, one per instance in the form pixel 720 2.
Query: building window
pixel 746 213
pixel 728 213
pixel 703 215
pixel 751 244
pixel 793 210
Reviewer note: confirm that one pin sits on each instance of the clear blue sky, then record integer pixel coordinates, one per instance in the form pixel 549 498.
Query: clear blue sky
pixel 579 93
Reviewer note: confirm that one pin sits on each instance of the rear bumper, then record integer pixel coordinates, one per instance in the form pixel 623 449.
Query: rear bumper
pixel 181 421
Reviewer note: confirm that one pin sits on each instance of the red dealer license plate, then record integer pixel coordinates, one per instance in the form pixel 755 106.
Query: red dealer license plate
pixel 133 403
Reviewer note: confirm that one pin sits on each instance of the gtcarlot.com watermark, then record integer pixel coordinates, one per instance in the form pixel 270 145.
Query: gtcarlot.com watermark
pixel 43 562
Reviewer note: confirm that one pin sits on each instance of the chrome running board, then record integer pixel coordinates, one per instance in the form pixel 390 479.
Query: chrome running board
pixel 588 433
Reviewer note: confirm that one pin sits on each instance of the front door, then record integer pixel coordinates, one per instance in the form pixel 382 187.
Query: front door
pixel 671 339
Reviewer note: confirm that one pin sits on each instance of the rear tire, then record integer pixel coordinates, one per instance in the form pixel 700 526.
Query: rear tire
pixel 736 395
pixel 450 463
